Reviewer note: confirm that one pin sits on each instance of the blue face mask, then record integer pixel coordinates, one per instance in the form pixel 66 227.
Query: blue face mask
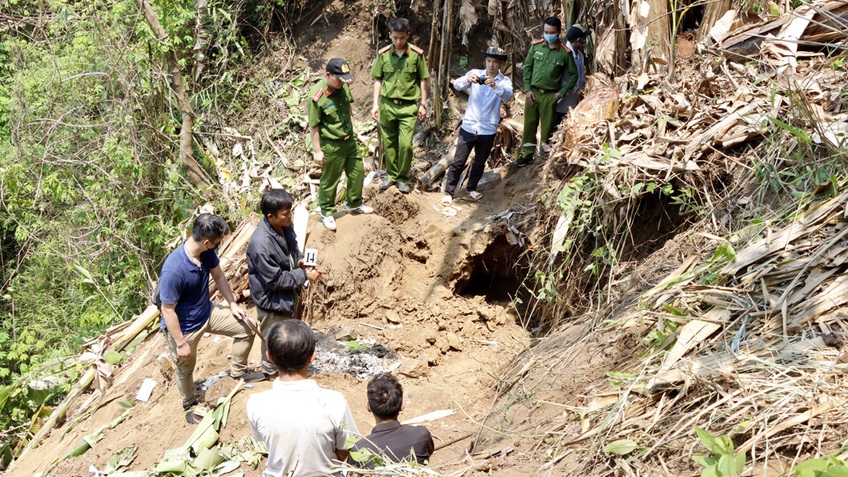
pixel 550 38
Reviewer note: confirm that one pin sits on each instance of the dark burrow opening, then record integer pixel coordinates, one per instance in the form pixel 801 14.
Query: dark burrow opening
pixel 659 217
pixel 496 274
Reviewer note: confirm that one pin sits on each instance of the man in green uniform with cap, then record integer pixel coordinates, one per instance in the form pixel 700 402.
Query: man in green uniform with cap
pixel 334 141
pixel 546 62
pixel 400 80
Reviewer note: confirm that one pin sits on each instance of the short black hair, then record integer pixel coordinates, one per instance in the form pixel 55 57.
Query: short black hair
pixel 399 24
pixel 554 22
pixel 291 344
pixel 385 396
pixel 275 200
pixel 209 226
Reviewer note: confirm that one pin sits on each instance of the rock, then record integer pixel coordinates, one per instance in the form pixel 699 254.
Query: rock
pixel 442 344
pixel 454 342
pixel 345 333
pixel 392 317
pixel 427 358
pixel 442 292
pixel 414 368
pixel 485 313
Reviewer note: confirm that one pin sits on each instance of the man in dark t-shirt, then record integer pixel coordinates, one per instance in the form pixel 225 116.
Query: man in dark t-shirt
pixel 389 439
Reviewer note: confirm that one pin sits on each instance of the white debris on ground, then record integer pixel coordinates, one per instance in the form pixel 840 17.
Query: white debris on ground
pixel 361 358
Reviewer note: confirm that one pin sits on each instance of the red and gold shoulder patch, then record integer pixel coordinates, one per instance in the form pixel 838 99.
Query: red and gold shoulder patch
pixel 536 42
pixel 384 49
pixel 318 94
pixel 416 49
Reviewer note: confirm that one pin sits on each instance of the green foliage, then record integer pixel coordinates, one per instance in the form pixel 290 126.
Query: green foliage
pixel 354 345
pixel 828 466
pixel 618 378
pixel 658 336
pixel 621 447
pixel 722 463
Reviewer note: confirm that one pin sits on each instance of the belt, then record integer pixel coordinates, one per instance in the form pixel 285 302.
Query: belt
pixel 547 91
pixel 339 139
pixel 400 101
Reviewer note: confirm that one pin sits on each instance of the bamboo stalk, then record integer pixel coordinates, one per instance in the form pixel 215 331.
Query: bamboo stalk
pixel 142 322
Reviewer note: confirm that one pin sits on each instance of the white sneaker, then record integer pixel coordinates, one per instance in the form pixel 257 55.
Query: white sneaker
pixel 362 209
pixel 475 195
pixel 329 222
pixel 447 200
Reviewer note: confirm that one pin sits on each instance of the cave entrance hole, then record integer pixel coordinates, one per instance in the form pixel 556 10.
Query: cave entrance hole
pixel 497 274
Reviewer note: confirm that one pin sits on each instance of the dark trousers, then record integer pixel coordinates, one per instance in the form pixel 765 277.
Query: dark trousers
pixel 558 117
pixel 482 145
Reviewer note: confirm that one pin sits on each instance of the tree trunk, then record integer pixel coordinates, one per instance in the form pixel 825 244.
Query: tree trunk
pixel 196 175
pixel 650 31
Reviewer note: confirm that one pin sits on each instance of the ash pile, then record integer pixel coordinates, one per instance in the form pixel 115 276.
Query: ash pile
pixel 340 352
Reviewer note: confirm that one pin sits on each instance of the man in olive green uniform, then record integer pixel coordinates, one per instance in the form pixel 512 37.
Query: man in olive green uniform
pixel 400 80
pixel 546 62
pixel 334 141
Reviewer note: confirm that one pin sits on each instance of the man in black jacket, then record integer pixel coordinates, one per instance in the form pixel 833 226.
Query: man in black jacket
pixel 275 267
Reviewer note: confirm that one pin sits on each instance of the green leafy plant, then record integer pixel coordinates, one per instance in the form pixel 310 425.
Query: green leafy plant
pixel 621 447
pixel 722 463
pixel 355 345
pixel 829 466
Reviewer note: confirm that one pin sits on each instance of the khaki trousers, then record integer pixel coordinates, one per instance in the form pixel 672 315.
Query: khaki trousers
pixel 266 319
pixel 221 322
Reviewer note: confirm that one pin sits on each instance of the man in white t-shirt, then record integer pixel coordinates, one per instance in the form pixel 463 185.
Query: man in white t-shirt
pixel 306 429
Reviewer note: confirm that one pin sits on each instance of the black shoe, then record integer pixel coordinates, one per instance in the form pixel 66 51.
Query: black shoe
pixel 523 161
pixel 388 183
pixel 190 405
pixel 404 187
pixel 251 376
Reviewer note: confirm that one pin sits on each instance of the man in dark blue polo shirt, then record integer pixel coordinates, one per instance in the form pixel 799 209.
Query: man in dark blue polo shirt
pixel 187 310
pixel 390 441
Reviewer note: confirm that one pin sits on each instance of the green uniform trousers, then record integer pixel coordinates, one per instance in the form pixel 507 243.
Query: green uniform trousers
pixel 340 156
pixel 397 125
pixel 542 111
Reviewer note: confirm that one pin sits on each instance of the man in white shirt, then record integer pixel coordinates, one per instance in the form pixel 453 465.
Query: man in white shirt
pixel 487 89
pixel 306 429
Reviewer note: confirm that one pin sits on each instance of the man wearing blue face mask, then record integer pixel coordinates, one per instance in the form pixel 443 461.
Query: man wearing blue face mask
pixel 546 62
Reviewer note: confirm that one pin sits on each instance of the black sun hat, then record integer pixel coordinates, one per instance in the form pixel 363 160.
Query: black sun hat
pixel 496 53
pixel 340 68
